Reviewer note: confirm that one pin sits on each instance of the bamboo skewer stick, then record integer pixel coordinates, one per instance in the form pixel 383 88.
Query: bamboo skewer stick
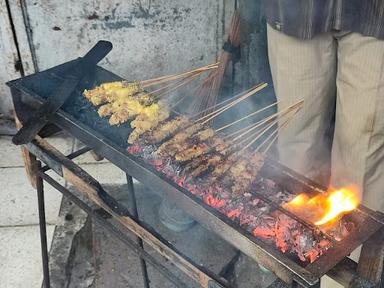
pixel 259 135
pixel 275 137
pixel 236 98
pixel 249 126
pixel 180 75
pixel 167 78
pixel 176 85
pixel 281 128
pixel 250 93
pixel 219 104
pixel 246 117
pixel 265 120
pixel 285 112
pixel 256 125
pixel 185 95
pixel 256 133
pixel 193 76
pixel 273 133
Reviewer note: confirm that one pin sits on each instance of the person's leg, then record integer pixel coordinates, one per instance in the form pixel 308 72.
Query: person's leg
pixel 358 147
pixel 304 70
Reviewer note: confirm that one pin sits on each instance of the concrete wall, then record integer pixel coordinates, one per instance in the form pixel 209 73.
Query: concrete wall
pixel 8 58
pixel 150 37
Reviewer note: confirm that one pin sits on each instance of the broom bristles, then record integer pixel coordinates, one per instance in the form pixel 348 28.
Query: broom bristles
pixel 208 92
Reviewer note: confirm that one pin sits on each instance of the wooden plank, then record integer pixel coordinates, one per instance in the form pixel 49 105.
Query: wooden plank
pixel 371 260
pixel 344 272
pixel 30 162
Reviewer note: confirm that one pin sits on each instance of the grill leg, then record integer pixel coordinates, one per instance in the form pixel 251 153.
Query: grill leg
pixel 135 214
pixel 43 227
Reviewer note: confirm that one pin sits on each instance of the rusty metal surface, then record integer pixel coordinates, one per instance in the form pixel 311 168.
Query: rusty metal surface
pixel 284 267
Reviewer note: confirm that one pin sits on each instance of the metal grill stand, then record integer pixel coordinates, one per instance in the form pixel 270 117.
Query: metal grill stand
pixel 120 220
pixel 82 122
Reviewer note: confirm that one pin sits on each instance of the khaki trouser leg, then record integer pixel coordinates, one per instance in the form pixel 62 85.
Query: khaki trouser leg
pixel 304 70
pixel 358 147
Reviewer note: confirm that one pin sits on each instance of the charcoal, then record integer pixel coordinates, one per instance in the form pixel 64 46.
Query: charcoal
pixel 246 209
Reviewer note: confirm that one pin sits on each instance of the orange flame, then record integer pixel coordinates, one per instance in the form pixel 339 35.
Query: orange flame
pixel 324 209
pixel 339 202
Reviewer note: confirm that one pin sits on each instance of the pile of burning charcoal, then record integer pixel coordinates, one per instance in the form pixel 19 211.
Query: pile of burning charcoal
pixel 226 178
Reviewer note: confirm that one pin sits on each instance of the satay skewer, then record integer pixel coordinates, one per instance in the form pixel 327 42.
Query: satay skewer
pixel 168 78
pixel 284 113
pixel 281 128
pixel 217 105
pixel 245 96
pixel 174 85
pixel 238 97
pixel 264 121
pixel 246 117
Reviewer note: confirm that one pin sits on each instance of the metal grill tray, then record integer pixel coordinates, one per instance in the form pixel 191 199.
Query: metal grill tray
pixel 79 118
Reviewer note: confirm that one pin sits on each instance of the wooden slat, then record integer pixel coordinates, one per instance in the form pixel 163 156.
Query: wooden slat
pixel 344 272
pixel 30 162
pixel 371 260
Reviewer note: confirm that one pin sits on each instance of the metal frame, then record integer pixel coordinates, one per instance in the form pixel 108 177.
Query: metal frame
pixel 26 100
pixel 119 222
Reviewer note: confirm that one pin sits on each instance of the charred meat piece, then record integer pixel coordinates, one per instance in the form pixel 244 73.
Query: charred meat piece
pixel 204 142
pixel 200 143
pixel 178 142
pixel 244 173
pixel 224 165
pixel 165 129
pixel 206 165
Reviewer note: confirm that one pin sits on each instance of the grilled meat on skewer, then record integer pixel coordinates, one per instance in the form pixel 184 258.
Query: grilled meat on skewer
pixel 165 129
pixel 178 142
pixel 124 109
pixel 206 165
pixel 146 120
pixel 199 144
pixel 109 92
pixel 222 167
pixel 243 173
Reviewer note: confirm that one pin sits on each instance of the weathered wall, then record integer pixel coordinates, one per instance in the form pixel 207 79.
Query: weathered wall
pixel 8 58
pixel 150 37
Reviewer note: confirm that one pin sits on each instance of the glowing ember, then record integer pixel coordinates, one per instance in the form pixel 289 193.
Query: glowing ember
pixel 324 209
pixel 213 201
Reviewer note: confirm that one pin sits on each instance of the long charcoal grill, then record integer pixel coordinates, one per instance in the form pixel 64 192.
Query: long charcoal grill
pixel 80 119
